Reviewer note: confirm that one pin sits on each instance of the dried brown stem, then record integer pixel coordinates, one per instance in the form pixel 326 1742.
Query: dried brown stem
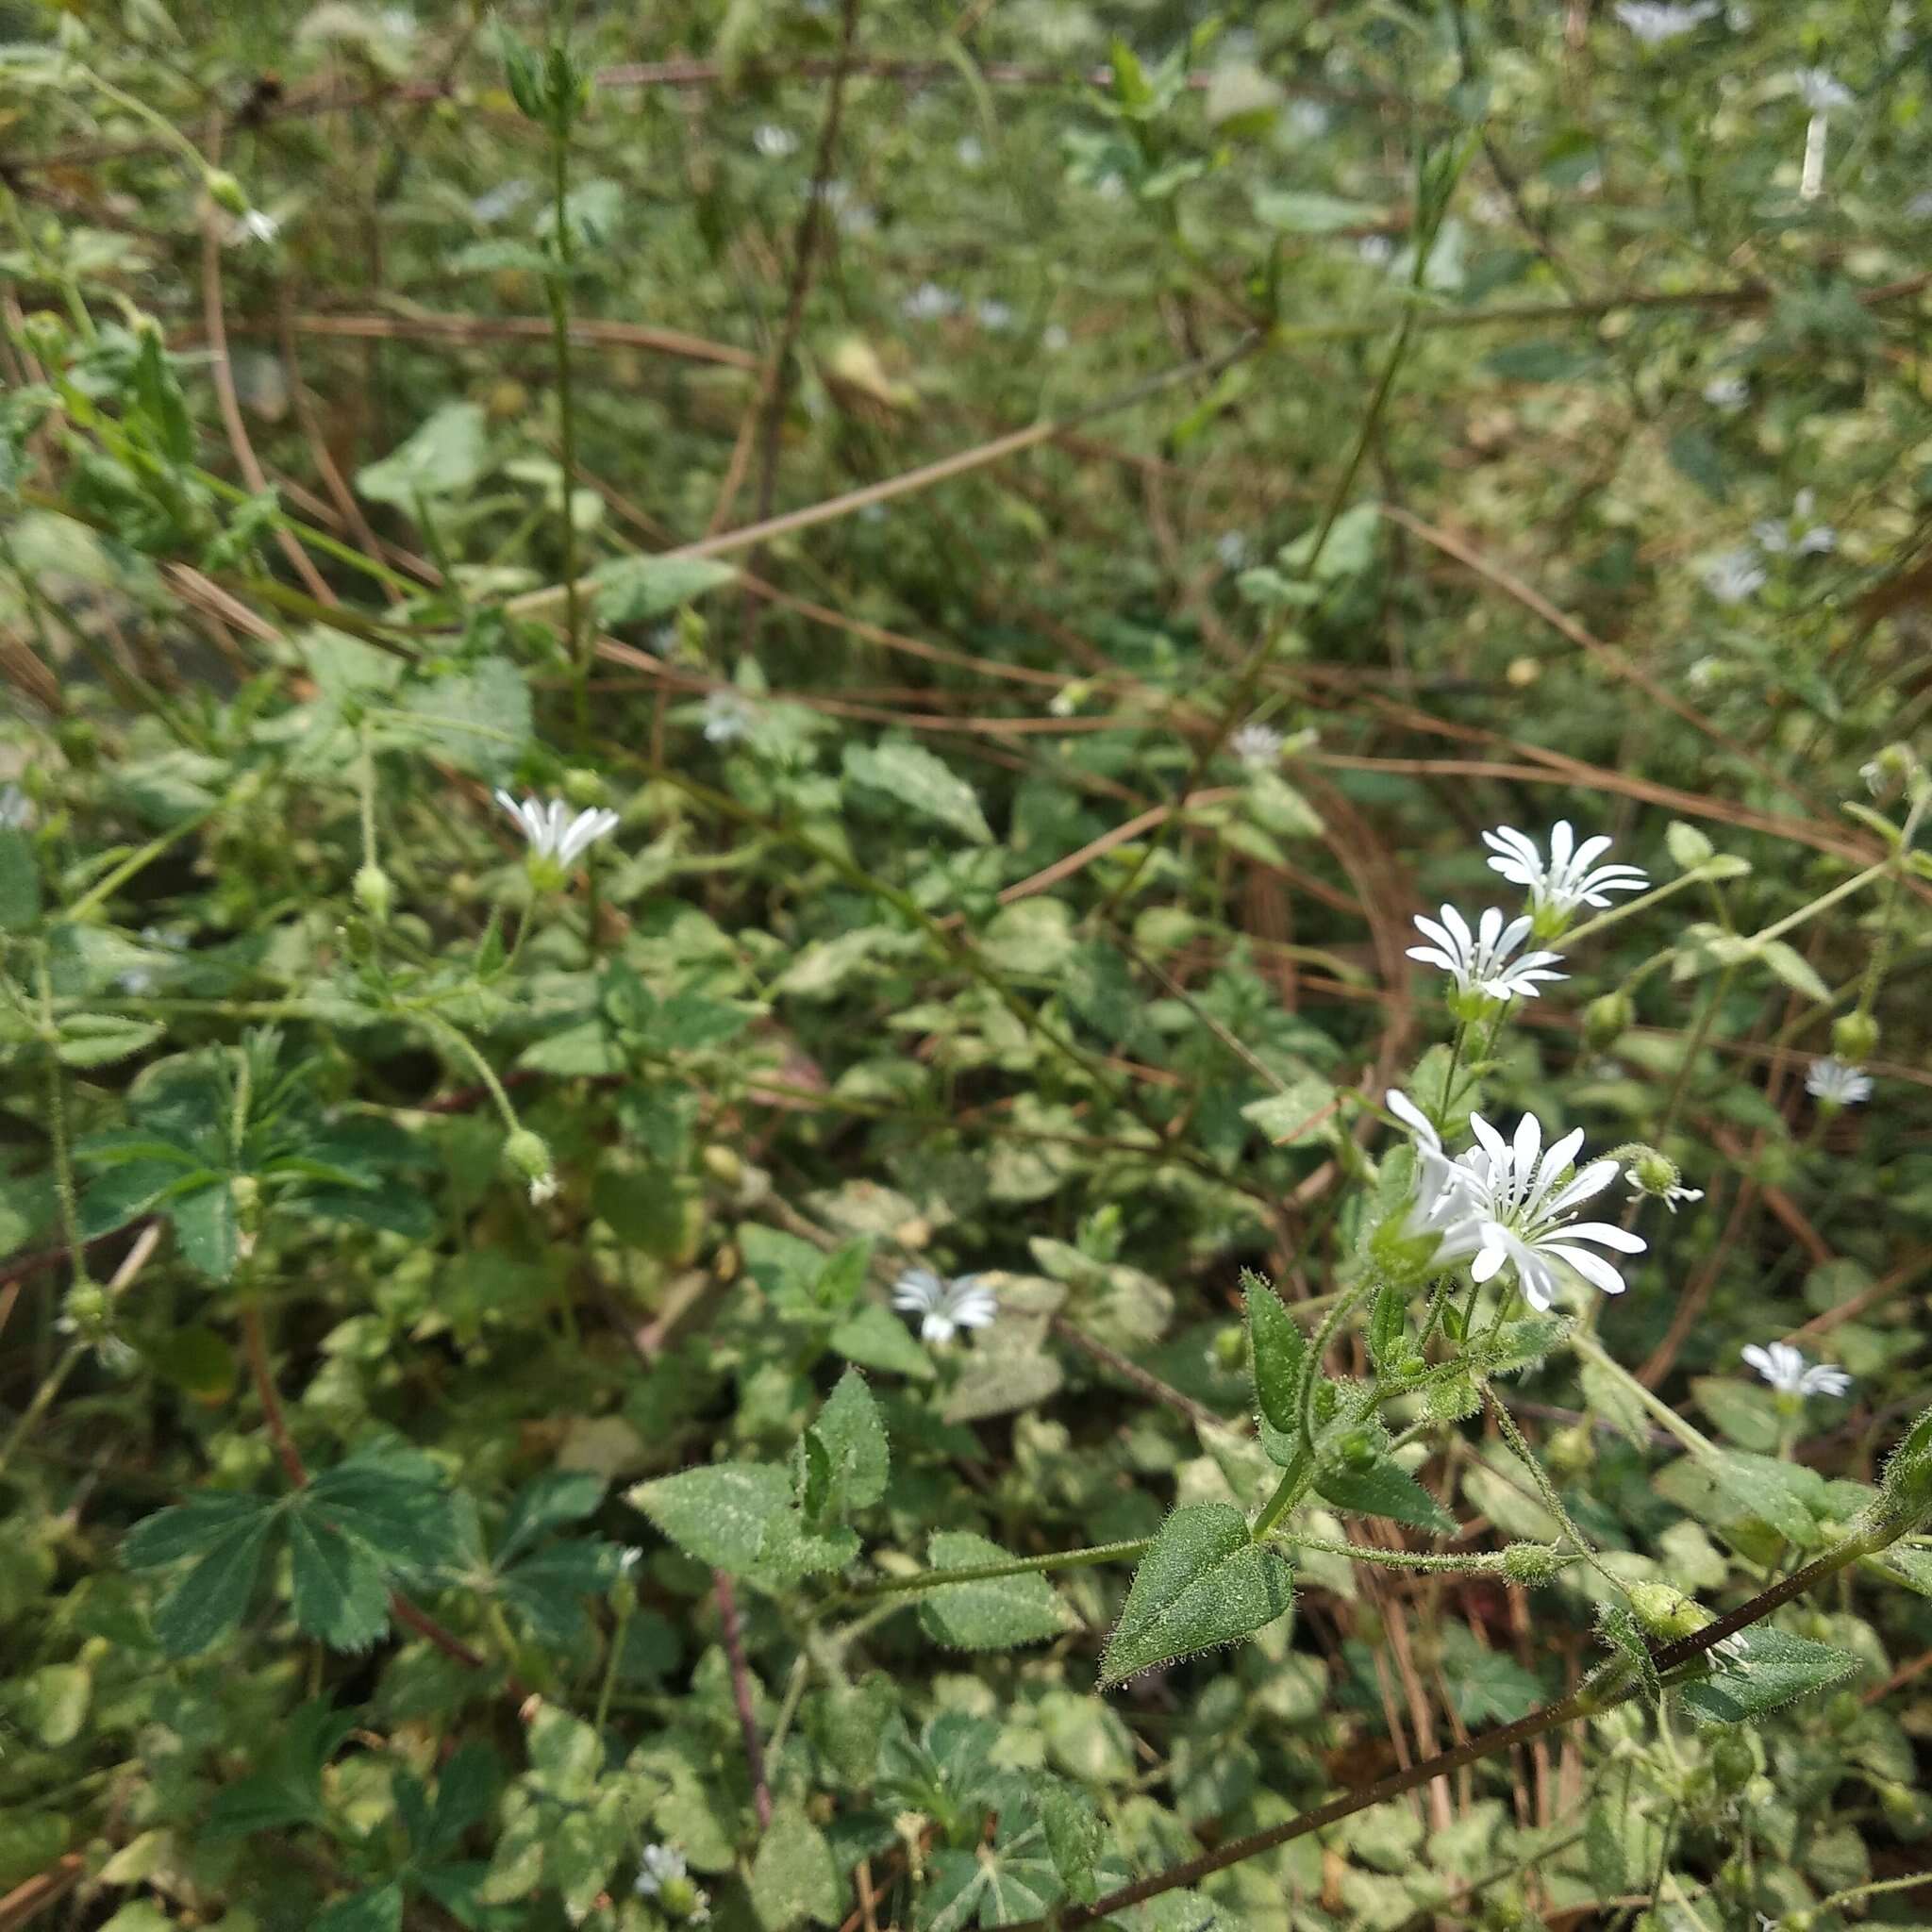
pixel 741 1690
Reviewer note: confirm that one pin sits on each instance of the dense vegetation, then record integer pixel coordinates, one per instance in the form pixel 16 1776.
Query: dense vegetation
pixel 737 1183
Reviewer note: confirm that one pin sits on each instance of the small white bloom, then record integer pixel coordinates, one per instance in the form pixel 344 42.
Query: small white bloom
pixel 1257 745
pixel 552 833
pixel 1820 91
pixel 1524 1210
pixel 1728 392
pixel 1670 1196
pixel 1795 535
pixel 774 143
pixel 1231 547
pixel 543 1188
pixel 1733 575
pixel 971 151
pixel 1480 962
pixel 1570 877
pixel 929 303
pixel 1308 119
pixel 1653 21
pixel 945 1306
pixel 1734 1650
pixel 993 315
pixel 16 808
pixel 1785 1368
pixel 253 225
pixel 504 199
pixel 1054 337
pixel 1839 1085
pixel 658 1864
pixel 1378 251
pixel 727 716
pixel 1443 1208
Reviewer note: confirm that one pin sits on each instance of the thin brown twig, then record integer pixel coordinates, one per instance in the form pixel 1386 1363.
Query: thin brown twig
pixel 741 1690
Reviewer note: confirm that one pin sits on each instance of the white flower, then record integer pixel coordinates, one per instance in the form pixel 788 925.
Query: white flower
pixel 727 717
pixel 993 315
pixel 543 1188
pixel 1571 877
pixel 1653 21
pixel 1376 250
pixel 551 833
pixel 1443 1209
pixel 970 150
pixel 1784 1369
pixel 664 1876
pixel 946 1307
pixel 1479 962
pixel 659 1863
pixel 1728 392
pixel 929 303
pixel 1054 337
pixel 1733 575
pixel 1735 1653
pixel 774 143
pixel 504 199
pixel 1231 547
pixel 1776 538
pixel 1670 1194
pixel 253 225
pixel 1257 745
pixel 1820 90
pixel 1308 119
pixel 1839 1085
pixel 1524 1210
pixel 16 808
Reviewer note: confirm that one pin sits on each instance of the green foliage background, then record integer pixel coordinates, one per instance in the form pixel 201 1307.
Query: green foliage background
pixel 456 1429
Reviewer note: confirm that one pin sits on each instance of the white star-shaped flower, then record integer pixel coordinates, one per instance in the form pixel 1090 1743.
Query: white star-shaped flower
pixel 1733 575
pixel 945 1306
pixel 774 143
pixel 1669 1195
pixel 727 717
pixel 553 833
pixel 1653 21
pixel 1570 876
pixel 1785 1368
pixel 1831 1080
pixel 1820 91
pixel 1257 745
pixel 1442 1210
pixel 1524 1210
pixel 1481 961
pixel 1728 392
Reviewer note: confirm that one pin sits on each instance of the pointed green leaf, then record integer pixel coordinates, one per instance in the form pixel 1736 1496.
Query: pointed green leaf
pixel 792 1876
pixel 1384 1488
pixel 1203 1583
pixel 992 1613
pixel 20 881
pixel 1278 1353
pixel 337 1586
pixel 724 1515
pixel 923 783
pixel 853 1438
pixel 380 1910
pixel 1775 1669
pixel 211 1597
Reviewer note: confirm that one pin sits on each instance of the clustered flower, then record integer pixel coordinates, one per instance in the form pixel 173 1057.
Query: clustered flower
pixel 1785 1368
pixel 1511 1204
pixel 944 1305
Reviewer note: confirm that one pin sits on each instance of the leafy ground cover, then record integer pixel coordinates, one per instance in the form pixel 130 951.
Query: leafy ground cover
pixel 964 968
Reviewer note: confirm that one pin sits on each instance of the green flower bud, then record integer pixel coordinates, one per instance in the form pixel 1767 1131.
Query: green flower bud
pixel 1854 1037
pixel 1666 1612
pixel 1325 1400
pixel 1571 1451
pixel 1733 1762
pixel 527 1155
pixel 1229 1347
pixel 226 191
pixel 46 334
pixel 1356 1448
pixel 375 893
pixel 1529 1564
pixel 1906 1811
pixel 585 789
pixel 1606 1019
pixel 86 1306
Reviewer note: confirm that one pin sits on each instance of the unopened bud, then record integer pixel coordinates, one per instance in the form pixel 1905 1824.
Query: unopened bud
pixel 1604 1020
pixel 375 893
pixel 1665 1611
pixel 527 1155
pixel 1229 1346
pixel 1529 1564
pixel 1854 1037
pixel 1570 1449
pixel 1733 1764
pixel 723 1164
pixel 46 334
pixel 585 788
pixel 226 191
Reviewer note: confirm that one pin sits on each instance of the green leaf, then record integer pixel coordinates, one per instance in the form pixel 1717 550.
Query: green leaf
pixel 338 1589
pixel 447 454
pixel 633 590
pixel 1746 1413
pixel 853 1438
pixel 1621 1630
pixel 1384 1488
pixel 1299 1117
pixel 920 782
pixel 1203 1583
pixel 792 1876
pixel 876 1338
pixel 559 1497
pixel 1776 1668
pixel 211 1597
pixel 1278 1353
pixel 288 1787
pixel 380 1910
pixel 994 1613
pixel 1312 214
pixel 1694 454
pixel 548 1589
pixel 98 1040
pixel 1793 969
pixel 1074 1836
pixel 20 881
pixel 727 1515
pixel 392 1503
pixel 205 1225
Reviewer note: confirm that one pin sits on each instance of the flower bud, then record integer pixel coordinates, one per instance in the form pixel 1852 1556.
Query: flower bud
pixel 1733 1764
pixel 1571 1451
pixel 1529 1564
pixel 1230 1345
pixel 1892 771
pixel 527 1155
pixel 1854 1037
pixel 1666 1612
pixel 86 1306
pixel 46 334
pixel 226 191
pixel 1604 1020
pixel 1906 1811
pixel 375 893
pixel 584 788
pixel 723 1164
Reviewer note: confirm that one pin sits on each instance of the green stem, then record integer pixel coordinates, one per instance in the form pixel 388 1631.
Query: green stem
pixel 1693 1439
pixel 1292 1487
pixel 558 288
pixel 1129 1551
